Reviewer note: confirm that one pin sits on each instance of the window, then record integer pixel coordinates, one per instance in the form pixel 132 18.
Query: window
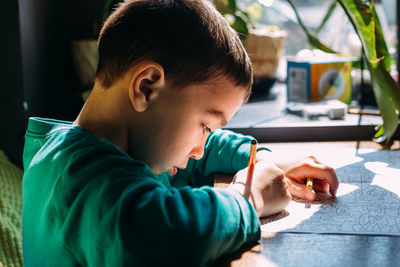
pixel 267 118
pixel 337 33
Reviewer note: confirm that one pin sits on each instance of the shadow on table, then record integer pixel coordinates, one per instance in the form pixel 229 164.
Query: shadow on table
pixel 373 207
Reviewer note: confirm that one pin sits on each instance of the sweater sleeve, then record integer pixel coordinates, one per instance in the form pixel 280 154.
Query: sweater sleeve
pixel 140 221
pixel 192 226
pixel 225 152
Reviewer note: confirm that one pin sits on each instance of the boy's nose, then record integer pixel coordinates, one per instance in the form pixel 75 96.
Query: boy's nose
pixel 198 151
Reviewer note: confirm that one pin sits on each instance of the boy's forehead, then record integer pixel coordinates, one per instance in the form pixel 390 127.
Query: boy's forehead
pixel 219 98
pixel 214 90
pixel 218 85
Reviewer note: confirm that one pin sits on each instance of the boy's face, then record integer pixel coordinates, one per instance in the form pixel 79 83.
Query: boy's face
pixel 179 121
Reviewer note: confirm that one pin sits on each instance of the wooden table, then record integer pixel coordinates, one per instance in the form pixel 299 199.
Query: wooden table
pixel 308 249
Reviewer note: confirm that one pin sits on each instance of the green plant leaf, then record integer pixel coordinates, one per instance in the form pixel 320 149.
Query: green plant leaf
pixel 363 16
pixel 232 6
pixel 245 17
pixel 237 18
pixel 329 13
pixel 387 94
pixel 240 26
pixel 382 51
pixel 312 39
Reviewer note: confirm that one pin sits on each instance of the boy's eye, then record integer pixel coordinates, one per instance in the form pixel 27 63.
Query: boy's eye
pixel 205 128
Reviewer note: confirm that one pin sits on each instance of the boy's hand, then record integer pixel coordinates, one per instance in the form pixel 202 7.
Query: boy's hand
pixel 298 170
pixel 269 190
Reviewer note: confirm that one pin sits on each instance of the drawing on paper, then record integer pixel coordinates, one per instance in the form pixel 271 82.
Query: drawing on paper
pixel 368 202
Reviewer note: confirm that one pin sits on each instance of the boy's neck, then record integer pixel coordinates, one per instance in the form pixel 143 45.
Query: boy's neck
pixel 107 122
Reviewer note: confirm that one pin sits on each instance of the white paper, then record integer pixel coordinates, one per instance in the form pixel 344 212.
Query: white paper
pixel 368 201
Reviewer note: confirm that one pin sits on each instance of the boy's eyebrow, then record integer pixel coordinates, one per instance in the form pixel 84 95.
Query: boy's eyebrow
pixel 220 114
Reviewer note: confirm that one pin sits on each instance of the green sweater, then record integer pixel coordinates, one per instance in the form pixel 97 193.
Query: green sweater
pixel 88 203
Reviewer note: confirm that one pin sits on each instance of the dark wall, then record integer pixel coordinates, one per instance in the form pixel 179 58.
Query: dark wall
pixel 37 66
pixel 47 28
pixel 11 83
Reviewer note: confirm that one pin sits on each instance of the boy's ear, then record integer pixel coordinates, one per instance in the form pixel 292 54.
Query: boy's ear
pixel 145 83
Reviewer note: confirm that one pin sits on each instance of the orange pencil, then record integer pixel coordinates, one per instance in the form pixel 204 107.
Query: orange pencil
pixel 250 171
pixel 309 186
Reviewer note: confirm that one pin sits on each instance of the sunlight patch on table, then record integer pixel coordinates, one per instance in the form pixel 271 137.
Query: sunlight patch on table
pixel 385 177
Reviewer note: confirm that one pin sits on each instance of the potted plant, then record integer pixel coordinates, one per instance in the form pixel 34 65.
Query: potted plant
pixel 365 21
pixel 264 44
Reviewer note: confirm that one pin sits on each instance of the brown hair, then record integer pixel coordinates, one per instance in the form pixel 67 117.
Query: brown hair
pixel 189 38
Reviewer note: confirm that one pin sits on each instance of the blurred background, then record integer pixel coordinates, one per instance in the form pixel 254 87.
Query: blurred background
pixel 41 77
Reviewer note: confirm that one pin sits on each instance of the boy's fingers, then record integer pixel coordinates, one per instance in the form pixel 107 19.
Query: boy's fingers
pixel 316 171
pixel 321 186
pixel 299 190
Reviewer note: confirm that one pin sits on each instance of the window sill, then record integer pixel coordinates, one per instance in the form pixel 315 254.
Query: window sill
pixel 268 121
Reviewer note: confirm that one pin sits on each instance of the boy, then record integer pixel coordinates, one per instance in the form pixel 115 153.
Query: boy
pixel 128 183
